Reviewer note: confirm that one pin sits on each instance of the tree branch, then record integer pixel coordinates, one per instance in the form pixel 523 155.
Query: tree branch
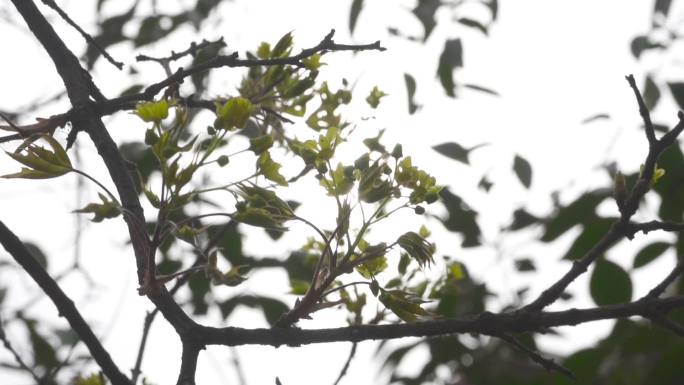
pixel 64 304
pixel 485 323
pixel 546 363
pixel 622 227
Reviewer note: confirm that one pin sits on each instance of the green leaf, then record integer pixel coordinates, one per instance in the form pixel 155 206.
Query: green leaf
pixel 522 219
pixel 417 248
pixel 523 170
pixel 42 162
pixel 374 97
pixel 282 47
pixel 411 92
pixel 261 143
pixel 649 253
pixel 609 284
pixel 405 305
pixel 234 113
pixel 461 218
pixel 269 169
pixel 101 211
pixel 373 267
pixel 153 111
pixel 354 12
pixel 450 59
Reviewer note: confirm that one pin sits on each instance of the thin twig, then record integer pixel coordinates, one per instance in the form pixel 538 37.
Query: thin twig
pixel 643 110
pixel 646 227
pixel 343 372
pixel 15 354
pixel 89 39
pixel 546 363
pixel 242 380
pixel 63 303
pixel 192 50
pixel 666 282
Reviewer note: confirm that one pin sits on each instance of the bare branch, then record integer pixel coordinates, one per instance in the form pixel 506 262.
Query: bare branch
pixel 343 372
pixel 192 50
pixel 643 110
pixel 546 363
pixel 64 304
pixel 86 36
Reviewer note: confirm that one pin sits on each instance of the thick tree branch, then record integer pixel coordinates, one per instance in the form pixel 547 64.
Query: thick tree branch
pixel 86 119
pixel 484 323
pixel 188 363
pixel 64 304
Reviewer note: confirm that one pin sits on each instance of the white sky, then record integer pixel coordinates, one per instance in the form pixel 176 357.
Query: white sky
pixel 554 63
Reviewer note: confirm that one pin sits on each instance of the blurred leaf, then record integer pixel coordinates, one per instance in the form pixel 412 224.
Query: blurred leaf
pixel 594 118
pixel 450 59
pixel 523 170
pixel 425 12
pixel 411 91
pixel 609 283
pixel 641 44
pixel 356 7
pixel 524 265
pixel 584 364
pixel 651 93
pixel 522 219
pixel 662 7
pixel 481 89
pixel 455 151
pixel 44 353
pixel 472 23
pixel 493 6
pixel 199 288
pixel 591 233
pixel 37 253
pixel 485 184
pixel 111 32
pixel 671 188
pixel 649 253
pixel 677 90
pixel 582 210
pixel 271 308
pixel 132 90
pixel 461 218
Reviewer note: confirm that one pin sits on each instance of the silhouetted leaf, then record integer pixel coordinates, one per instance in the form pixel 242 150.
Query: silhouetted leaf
pixel 485 184
pixel 44 353
pixel 455 151
pixel 450 59
pixel 670 188
pixel 481 89
pixel 651 93
pixel 591 233
pixel 111 32
pixel 594 118
pixel 461 218
pixel 523 170
pixel 662 7
pixel 641 44
pixel 472 23
pixel 522 219
pixel 37 253
pixel 677 90
pixel 271 308
pixel 584 364
pixel 649 253
pixel 609 283
pixel 356 7
pixel 411 91
pixel 425 12
pixel 524 265
pixel 582 210
pixel 493 6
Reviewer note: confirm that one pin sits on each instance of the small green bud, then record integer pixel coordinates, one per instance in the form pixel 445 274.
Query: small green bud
pixel 397 152
pixel 223 160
